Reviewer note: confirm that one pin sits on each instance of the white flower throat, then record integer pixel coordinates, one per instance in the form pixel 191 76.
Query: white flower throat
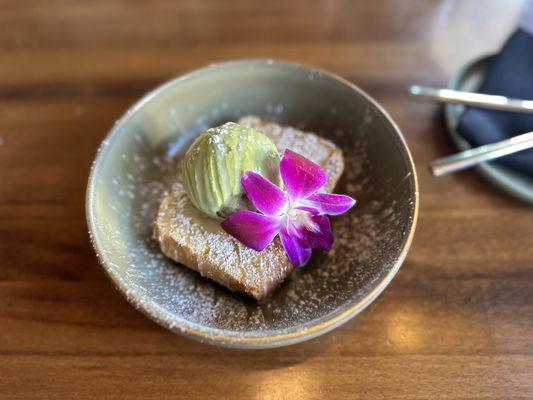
pixel 299 219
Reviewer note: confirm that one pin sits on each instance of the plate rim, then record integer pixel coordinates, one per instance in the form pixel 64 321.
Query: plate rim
pixel 227 338
pixel 502 178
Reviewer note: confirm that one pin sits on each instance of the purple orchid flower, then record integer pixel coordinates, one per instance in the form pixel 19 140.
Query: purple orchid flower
pixel 298 215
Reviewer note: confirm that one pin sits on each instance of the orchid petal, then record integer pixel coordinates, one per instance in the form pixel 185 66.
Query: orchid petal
pixel 264 195
pixel 297 252
pixel 327 203
pixel 301 176
pixel 252 229
pixel 321 237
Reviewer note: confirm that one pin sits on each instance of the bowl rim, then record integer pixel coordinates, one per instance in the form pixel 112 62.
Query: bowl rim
pixel 227 338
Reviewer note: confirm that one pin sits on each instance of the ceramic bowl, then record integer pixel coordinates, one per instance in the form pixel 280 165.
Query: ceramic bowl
pixel 137 161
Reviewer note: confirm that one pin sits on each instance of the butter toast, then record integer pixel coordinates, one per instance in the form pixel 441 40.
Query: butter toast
pixel 191 238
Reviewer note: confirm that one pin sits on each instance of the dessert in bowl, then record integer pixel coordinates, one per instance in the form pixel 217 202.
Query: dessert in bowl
pixel 135 189
pixel 225 219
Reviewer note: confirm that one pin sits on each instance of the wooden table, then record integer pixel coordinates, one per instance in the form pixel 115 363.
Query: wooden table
pixel 456 322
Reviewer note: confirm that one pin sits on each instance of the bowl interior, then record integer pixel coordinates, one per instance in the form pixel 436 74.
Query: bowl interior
pixel 137 163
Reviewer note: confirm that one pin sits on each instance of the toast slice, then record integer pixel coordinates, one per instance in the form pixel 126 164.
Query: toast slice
pixel 191 238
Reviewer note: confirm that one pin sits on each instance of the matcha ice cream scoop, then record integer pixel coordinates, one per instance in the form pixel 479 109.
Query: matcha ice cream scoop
pixel 215 162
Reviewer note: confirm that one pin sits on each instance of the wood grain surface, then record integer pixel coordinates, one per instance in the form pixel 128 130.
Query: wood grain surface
pixel 457 322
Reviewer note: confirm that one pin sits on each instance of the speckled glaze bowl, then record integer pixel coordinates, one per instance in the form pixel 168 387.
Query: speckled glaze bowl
pixel 137 162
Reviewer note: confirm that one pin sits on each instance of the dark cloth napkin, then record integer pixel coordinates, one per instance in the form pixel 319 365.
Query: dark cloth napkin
pixel 510 74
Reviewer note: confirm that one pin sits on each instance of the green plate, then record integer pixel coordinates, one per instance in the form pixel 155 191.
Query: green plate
pixel 469 79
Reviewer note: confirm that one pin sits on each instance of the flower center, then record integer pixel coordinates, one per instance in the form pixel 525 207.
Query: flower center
pixel 300 219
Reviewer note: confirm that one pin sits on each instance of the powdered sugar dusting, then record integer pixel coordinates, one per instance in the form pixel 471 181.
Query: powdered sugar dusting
pixel 362 238
pixel 138 164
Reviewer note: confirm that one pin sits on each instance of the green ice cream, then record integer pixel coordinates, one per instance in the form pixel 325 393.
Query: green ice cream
pixel 215 162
